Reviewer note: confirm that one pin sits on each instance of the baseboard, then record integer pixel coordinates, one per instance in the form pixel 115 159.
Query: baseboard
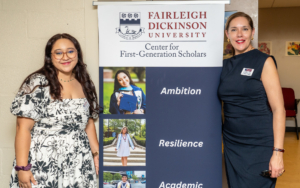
pixel 291 129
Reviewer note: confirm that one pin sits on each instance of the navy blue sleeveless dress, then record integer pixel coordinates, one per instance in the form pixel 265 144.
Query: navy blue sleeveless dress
pixel 248 127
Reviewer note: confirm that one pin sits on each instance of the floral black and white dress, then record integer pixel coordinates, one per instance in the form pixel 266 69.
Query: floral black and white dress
pixel 59 152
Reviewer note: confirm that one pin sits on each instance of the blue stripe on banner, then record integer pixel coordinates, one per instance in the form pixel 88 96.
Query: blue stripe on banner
pixel 130 22
pixel 177 113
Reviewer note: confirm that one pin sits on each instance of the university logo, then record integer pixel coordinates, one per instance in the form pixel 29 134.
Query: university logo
pixel 130 25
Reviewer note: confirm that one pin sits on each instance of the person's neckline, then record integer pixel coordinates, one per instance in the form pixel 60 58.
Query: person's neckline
pixel 70 99
pixel 254 49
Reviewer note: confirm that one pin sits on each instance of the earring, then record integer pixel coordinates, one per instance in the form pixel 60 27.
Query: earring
pixel 228 40
pixel 252 38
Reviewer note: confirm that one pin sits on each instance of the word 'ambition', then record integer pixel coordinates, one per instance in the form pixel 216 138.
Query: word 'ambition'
pixel 180 143
pixel 181 185
pixel 183 91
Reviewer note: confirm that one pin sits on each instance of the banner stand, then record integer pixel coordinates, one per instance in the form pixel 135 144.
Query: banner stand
pixel 159 68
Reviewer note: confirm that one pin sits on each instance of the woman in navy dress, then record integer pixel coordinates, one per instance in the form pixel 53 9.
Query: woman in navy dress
pixel 254 126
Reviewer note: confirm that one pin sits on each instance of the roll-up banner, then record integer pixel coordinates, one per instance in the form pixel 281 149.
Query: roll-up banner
pixel 169 53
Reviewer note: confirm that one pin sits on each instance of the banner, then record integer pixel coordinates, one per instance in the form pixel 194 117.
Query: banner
pixel 169 53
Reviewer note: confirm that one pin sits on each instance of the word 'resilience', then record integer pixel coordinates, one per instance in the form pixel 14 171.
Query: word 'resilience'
pixel 180 143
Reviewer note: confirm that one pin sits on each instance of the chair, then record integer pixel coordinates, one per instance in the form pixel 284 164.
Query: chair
pixel 290 105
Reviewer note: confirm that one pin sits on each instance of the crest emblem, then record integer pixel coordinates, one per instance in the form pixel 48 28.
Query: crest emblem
pixel 130 25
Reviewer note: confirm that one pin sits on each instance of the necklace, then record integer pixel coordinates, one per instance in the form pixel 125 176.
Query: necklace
pixel 67 80
pixel 124 138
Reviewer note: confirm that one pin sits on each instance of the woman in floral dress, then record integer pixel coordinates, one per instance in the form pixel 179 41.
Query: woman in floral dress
pixel 56 143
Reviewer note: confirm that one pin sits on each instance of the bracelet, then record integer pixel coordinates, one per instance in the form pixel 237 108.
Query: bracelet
pixel 25 168
pixel 95 154
pixel 277 149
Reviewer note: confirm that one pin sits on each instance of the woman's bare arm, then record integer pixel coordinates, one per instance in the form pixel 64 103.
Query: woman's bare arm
pixel 270 79
pixel 92 135
pixel 23 139
pixel 94 144
pixel 22 147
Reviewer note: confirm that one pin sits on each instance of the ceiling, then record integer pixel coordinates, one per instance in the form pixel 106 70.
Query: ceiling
pixel 278 3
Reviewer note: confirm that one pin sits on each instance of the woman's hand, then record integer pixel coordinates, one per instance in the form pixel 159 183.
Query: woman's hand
pixel 25 179
pixel 276 164
pixel 96 162
pixel 138 111
pixel 116 149
pixel 119 98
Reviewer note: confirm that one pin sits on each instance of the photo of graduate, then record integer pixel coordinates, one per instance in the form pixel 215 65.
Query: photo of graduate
pixel 124 142
pixel 124 179
pixel 124 183
pixel 125 93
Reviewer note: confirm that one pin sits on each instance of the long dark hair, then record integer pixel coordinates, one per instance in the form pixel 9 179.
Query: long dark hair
pixel 80 72
pixel 236 15
pixel 117 85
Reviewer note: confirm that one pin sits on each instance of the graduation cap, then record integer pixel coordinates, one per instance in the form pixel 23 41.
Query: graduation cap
pixel 128 102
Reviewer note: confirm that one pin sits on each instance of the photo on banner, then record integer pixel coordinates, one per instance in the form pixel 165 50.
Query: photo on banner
pixel 124 90
pixel 127 179
pixel 124 142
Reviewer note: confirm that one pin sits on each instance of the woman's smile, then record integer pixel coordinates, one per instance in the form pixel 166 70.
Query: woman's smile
pixel 66 63
pixel 240 41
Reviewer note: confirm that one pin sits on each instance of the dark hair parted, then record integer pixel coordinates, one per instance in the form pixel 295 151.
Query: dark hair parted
pixel 80 72
pixel 236 15
pixel 117 85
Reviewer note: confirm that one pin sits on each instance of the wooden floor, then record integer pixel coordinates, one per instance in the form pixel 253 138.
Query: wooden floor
pixel 291 177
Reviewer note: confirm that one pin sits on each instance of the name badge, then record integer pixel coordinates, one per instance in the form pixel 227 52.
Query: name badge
pixel 247 72
pixel 86 105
